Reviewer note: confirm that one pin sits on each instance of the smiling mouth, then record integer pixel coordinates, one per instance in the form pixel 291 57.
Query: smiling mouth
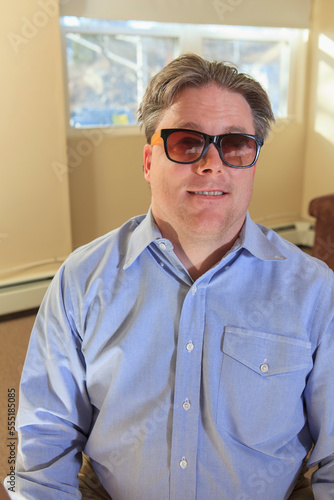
pixel 208 193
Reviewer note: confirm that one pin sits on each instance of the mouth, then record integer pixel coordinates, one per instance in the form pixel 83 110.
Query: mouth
pixel 207 193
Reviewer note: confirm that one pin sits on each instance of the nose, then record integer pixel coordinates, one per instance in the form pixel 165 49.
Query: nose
pixel 211 162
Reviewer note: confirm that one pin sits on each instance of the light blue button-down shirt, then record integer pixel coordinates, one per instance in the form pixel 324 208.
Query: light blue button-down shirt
pixel 181 390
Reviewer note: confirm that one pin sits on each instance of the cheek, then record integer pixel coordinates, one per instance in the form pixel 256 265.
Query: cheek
pixel 249 184
pixel 243 183
pixel 166 178
pixel 156 179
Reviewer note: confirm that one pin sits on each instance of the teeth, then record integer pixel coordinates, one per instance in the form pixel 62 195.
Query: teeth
pixel 210 193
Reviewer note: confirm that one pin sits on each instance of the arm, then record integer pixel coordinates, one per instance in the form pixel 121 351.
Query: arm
pixel 54 414
pixel 319 397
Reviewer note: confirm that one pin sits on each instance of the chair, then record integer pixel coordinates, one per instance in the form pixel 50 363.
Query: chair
pixel 322 208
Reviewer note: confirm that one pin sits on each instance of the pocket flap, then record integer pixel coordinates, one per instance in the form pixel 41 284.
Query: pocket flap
pixel 265 353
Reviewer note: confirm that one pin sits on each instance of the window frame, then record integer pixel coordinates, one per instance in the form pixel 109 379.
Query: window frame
pixel 190 40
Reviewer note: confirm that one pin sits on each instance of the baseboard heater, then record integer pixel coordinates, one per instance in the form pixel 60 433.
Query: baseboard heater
pixel 23 296
pixel 301 233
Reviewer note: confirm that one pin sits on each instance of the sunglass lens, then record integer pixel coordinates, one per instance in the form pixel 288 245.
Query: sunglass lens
pixel 238 150
pixel 185 147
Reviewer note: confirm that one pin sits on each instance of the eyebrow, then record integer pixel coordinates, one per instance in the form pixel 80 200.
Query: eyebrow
pixel 190 125
pixel 234 129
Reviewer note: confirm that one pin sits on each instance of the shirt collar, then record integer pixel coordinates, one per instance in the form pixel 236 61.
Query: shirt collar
pixel 144 234
pixel 253 237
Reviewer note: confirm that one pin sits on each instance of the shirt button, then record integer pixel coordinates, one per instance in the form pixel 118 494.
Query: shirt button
pixel 162 246
pixel 190 346
pixel 183 463
pixel 264 367
pixel 186 404
pixel 193 289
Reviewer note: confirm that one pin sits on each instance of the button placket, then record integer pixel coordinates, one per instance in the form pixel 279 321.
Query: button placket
pixel 187 389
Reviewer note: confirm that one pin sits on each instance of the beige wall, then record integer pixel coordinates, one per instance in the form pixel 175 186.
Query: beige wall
pixel 319 137
pixel 277 191
pixel 288 13
pixel 107 186
pixel 34 205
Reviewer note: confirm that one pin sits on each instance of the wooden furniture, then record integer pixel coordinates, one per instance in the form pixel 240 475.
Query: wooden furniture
pixel 322 208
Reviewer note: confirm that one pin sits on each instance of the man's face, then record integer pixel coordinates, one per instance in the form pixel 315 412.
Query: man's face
pixel 178 203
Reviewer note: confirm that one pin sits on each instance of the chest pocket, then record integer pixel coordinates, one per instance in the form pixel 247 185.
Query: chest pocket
pixel 261 385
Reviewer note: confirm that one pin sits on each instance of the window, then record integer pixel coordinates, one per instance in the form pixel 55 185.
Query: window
pixel 264 53
pixel 108 67
pixel 109 63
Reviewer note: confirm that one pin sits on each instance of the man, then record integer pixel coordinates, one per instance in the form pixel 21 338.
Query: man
pixel 188 353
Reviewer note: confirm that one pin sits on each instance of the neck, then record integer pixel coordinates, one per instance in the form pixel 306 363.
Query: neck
pixel 198 260
pixel 197 254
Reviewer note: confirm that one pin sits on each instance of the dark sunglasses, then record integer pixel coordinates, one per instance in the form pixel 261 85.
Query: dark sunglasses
pixel 189 146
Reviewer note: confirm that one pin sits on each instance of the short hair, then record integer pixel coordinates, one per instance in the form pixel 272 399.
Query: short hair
pixel 191 70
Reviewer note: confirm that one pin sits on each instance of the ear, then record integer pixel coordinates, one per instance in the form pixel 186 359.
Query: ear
pixel 147 161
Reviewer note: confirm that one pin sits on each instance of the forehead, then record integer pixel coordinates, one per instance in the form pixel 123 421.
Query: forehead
pixel 209 109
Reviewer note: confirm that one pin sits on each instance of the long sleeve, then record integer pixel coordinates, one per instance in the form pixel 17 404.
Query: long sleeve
pixel 319 396
pixel 54 410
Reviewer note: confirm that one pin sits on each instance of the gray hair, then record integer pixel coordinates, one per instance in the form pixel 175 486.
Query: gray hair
pixel 191 70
